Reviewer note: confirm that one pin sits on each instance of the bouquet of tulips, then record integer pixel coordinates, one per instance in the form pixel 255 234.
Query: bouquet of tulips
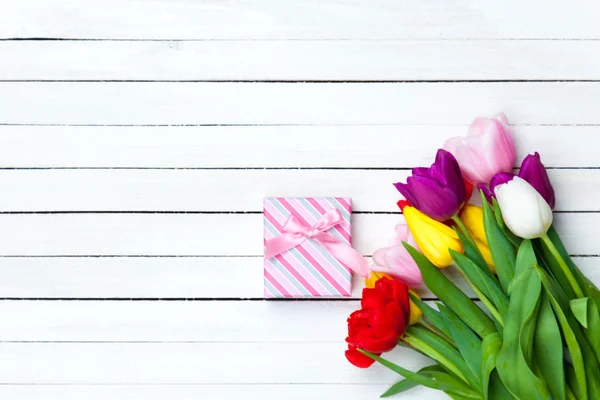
pixel 534 330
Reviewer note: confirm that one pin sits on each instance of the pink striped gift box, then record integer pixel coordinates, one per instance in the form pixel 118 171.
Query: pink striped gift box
pixel 306 270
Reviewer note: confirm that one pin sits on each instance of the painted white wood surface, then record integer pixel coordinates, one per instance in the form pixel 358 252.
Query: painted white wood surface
pixel 260 103
pixel 300 60
pixel 132 150
pixel 214 147
pixel 300 19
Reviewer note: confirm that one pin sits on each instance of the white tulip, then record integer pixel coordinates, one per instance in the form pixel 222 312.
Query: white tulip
pixel 524 210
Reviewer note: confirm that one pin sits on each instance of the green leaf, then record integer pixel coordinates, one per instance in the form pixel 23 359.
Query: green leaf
pixel 592 331
pixel 438 349
pixel 469 344
pixel 515 360
pixel 570 338
pixel 548 349
pixel 407 384
pixel 490 347
pixel 514 239
pixel 572 381
pixel 483 282
pixel 431 314
pixel 586 285
pixel 579 307
pixel 435 372
pixel 503 251
pixel 498 390
pixel 551 265
pixel 422 380
pixel 473 253
pixel 452 296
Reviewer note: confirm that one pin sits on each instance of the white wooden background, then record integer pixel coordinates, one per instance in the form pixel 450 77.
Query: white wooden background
pixel 138 138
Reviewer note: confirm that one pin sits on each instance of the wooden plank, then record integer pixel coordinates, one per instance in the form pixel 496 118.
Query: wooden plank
pixel 207 392
pixel 162 277
pixel 390 60
pixel 233 190
pixel 227 146
pixel 175 321
pixel 146 277
pixel 207 234
pixel 181 103
pixel 191 363
pixel 299 19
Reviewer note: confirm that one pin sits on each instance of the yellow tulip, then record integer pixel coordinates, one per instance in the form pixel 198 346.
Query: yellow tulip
pixel 433 237
pixel 374 277
pixel 472 218
pixel 415 312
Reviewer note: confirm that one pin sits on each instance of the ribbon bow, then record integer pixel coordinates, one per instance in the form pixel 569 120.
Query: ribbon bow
pixel 295 233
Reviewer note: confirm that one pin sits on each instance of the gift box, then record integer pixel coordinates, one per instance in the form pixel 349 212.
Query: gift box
pixel 308 246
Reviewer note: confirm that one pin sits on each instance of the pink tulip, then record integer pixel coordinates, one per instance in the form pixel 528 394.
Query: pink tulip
pixel 395 259
pixel 487 149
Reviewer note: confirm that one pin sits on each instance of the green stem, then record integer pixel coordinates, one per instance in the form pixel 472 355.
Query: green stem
pixel 493 310
pixel 434 354
pixel 570 395
pixel 563 265
pixel 461 226
pixel 435 330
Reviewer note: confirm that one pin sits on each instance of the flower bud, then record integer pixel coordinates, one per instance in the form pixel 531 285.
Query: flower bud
pixel 524 210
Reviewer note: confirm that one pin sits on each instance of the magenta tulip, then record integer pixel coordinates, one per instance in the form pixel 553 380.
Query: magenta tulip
pixel 397 261
pixel 533 171
pixel 487 149
pixel 438 191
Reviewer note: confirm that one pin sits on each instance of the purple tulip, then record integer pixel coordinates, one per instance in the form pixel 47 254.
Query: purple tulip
pixel 438 191
pixel 533 171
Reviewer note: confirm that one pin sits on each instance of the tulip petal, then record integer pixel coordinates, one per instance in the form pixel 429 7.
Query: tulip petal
pixel 357 358
pixel 524 210
pixel 487 149
pixel 405 190
pixel 534 172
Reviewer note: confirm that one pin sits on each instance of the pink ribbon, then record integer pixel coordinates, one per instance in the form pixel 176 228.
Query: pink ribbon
pixel 295 233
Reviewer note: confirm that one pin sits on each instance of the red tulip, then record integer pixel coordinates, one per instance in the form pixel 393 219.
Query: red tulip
pixel 379 324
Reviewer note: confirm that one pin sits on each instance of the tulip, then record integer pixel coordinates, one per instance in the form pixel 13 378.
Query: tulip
pixel 472 218
pixel 487 149
pixel 396 261
pixel 533 171
pixel 524 210
pixel 437 191
pixel 415 311
pixel 433 237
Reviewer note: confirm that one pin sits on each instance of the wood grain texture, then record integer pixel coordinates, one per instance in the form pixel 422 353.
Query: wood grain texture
pixel 181 103
pixel 121 167
pixel 391 146
pixel 163 277
pixel 180 363
pixel 206 392
pixel 207 234
pixel 339 60
pixel 300 19
pixel 233 190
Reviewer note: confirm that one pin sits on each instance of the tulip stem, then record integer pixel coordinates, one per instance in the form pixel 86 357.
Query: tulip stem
pixel 493 310
pixel 435 330
pixel 563 265
pixel 430 352
pixel 468 236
